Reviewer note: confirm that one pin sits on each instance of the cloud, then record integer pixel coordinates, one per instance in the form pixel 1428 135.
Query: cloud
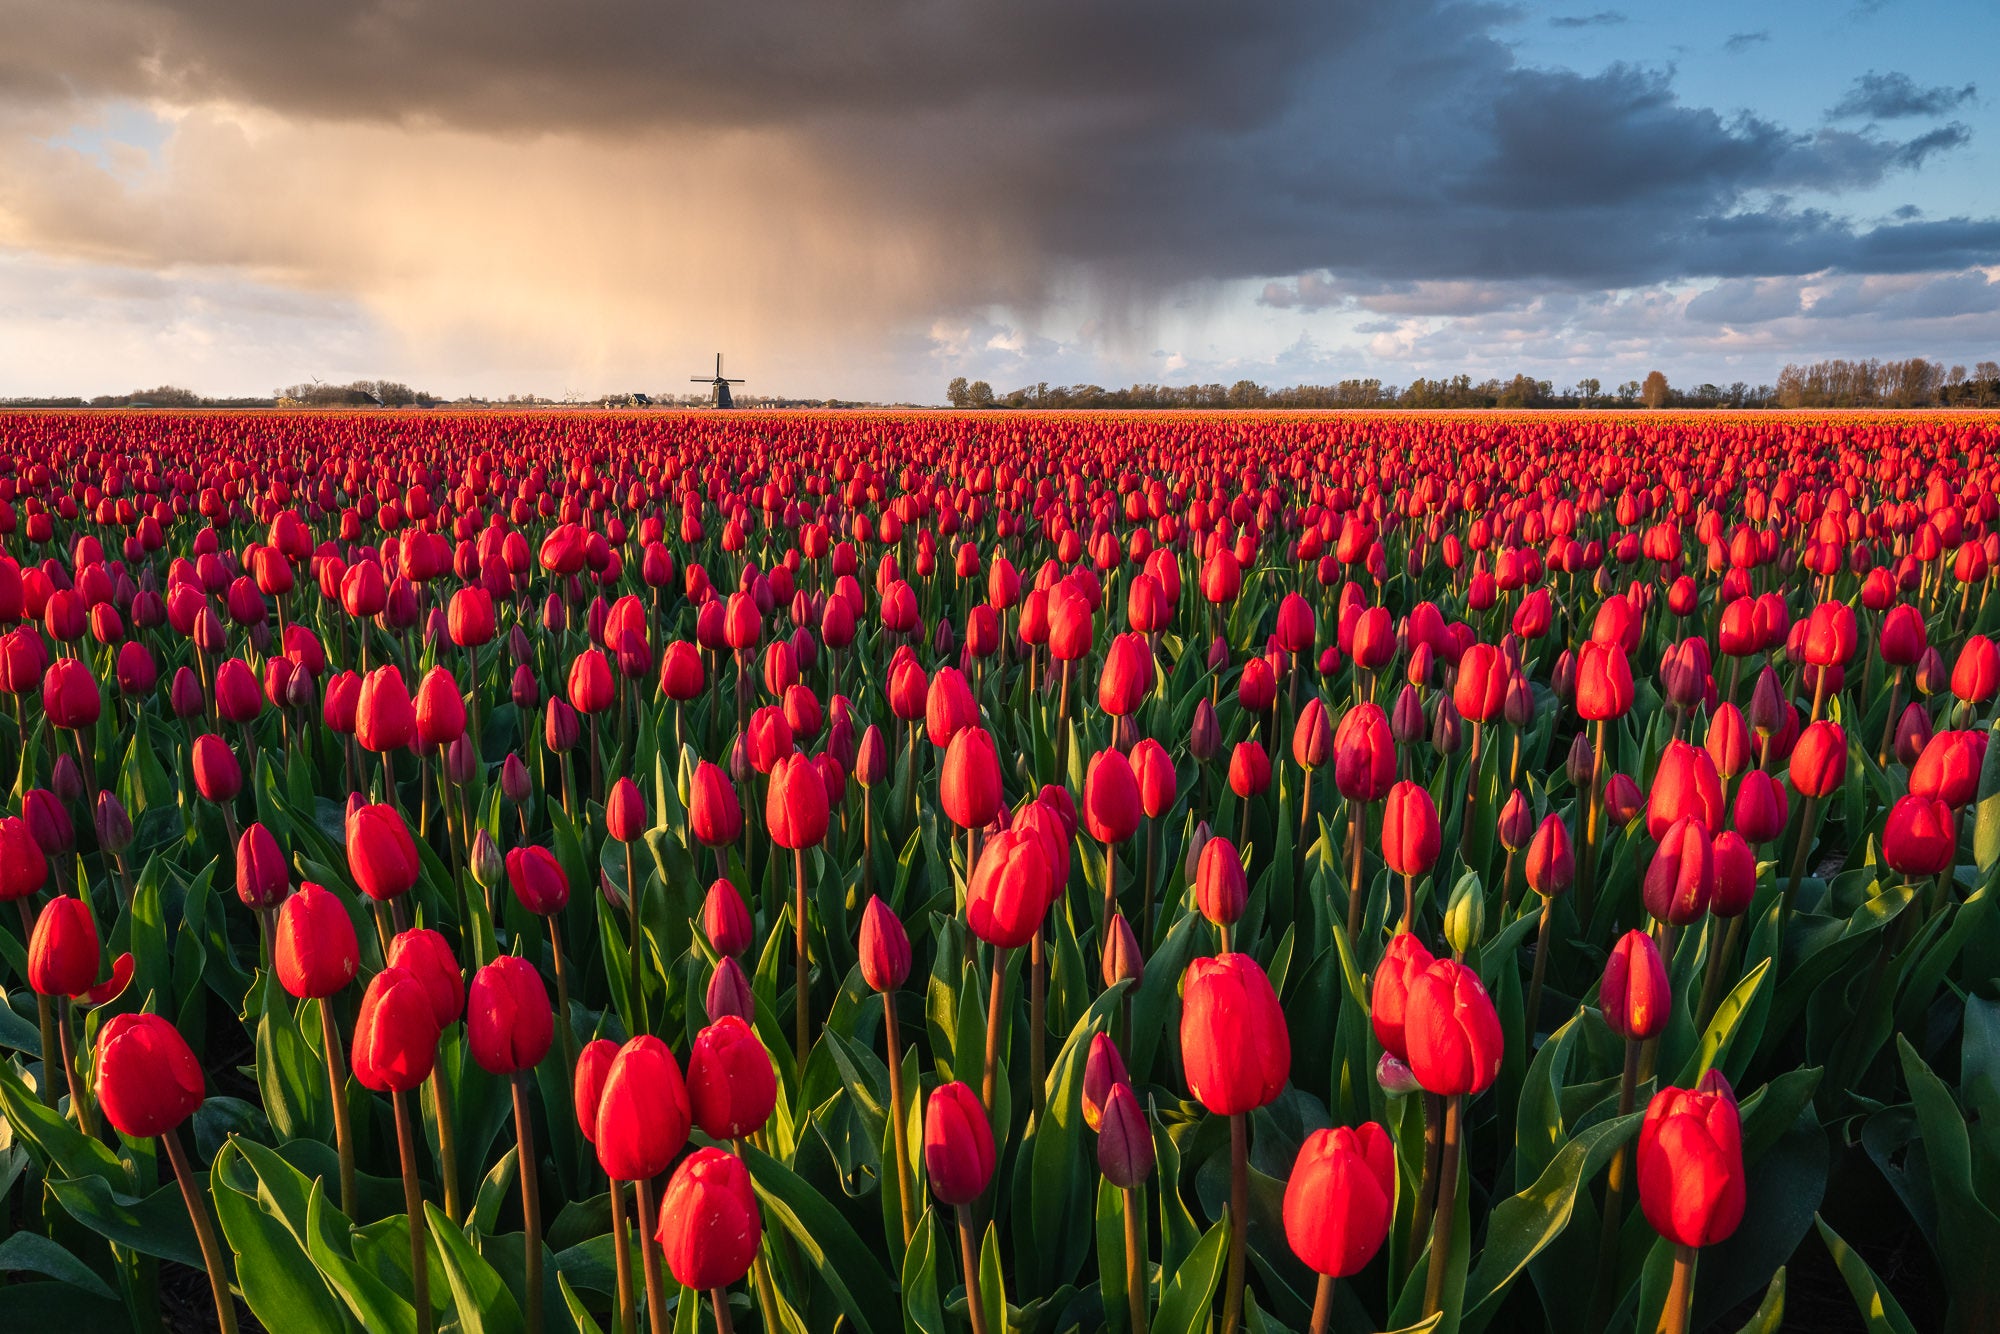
pixel 1603 18
pixel 1739 42
pixel 602 190
pixel 1895 96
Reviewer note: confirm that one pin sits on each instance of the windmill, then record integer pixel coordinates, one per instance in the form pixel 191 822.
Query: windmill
pixel 721 386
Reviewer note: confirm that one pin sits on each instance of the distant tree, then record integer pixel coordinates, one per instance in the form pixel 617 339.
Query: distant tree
pixel 1654 392
pixel 958 392
pixel 979 394
pixel 1628 393
pixel 1588 388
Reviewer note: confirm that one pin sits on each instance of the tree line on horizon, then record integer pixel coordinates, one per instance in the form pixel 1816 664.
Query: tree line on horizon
pixel 1836 383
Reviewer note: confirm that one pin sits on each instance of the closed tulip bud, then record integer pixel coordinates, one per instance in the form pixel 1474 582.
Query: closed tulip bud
pixel 1221 888
pixel 1921 837
pixel 1518 707
pixel 1767 704
pixel 1735 875
pixel 1249 770
pixel 1124 1140
pixel 724 919
pixel 1402 963
pixel 1407 723
pixel 1635 996
pixel 63 949
pixel 381 855
pixel 70 698
pixel 522 688
pixel 217 774
pixel 1904 638
pixel 969 783
pixel 871 758
pixel 147 1078
pixel 958 1145
pixel 729 993
pixel 396 1033
pixel 317 953
pixel 1948 767
pixel 1819 760
pixel 1394 1076
pixel 1205 734
pixel 1465 914
pixel 1410 831
pixel 440 710
pixel 508 1022
pixel 385 717
pixel 1681 877
pixel 1481 687
pixel 713 815
pixel 1312 736
pixel 624 811
pixel 47 821
pixel 1517 822
pixel 1234 1042
pixel 1155 774
pixel 114 826
pixel 1197 840
pixel 1112 803
pixel 1690 1163
pixel 593 1067
pixel 560 728
pixel 1447 736
pixel 1341 1198
pixel 67 780
pixel 538 880
pixel 1364 754
pixel 24 867
pixel 1451 1030
pixel 1103 1070
pixel 1728 742
pixel 1761 807
pixel 642 1113
pixel 1622 802
pixel 1122 960
pixel 885 947
pixel 262 878
pixel 1913 734
pixel 795 808
pixel 731 1085
pixel 1127 677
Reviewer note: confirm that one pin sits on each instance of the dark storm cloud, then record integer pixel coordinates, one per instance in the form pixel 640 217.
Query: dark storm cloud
pixel 1140 144
pixel 1896 97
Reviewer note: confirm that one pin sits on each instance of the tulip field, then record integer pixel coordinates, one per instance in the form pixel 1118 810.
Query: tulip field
pixel 519 872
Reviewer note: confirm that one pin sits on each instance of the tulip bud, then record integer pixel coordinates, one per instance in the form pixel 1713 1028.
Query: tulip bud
pixel 1197 840
pixel 729 993
pixel 147 1078
pixel 724 918
pixel 642 1113
pixel 515 784
pixel 1447 731
pixel 262 878
pixel 42 811
pixel 1124 1140
pixel 538 880
pixel 1103 1070
pixel 1681 877
pixel 1635 996
pixel 624 811
pixel 317 954
pixel 1395 1076
pixel 709 1229
pixel 1205 736
pixel 114 826
pixel 63 950
pixel 1406 718
pixel 958 1141
pixel 731 1085
pixel 1340 1198
pixel 885 947
pixel 1234 1042
pixel 1465 914
pixel 487 864
pixel 593 1067
pixel 1122 959
pixel 1517 822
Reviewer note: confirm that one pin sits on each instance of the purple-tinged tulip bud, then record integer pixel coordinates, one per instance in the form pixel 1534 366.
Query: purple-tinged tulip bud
pixel 114 826
pixel 729 993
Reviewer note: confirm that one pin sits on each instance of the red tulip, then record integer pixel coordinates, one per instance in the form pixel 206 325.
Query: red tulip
pixel 731 1085
pixel 593 1067
pixel 1761 807
pixel 795 804
pixel 317 953
pixel 1685 783
pixel 958 1145
pixel 1451 1031
pixel 1603 682
pixel 1127 678
pixel 63 951
pixel 713 815
pixel 1819 760
pixel 381 855
pixel 709 1228
pixel 1341 1198
pixel 1364 754
pixel 427 956
pixel 1111 801
pixel 1921 837
pixel 396 1033
pixel 1402 963
pixel 385 718
pixel 147 1078
pixel 70 698
pixel 1691 1163
pixel 217 775
pixel 538 880
pixel 1154 770
pixel 1681 877
pixel 1221 889
pixel 1234 1042
pixel 1249 770
pixel 262 878
pixel 885 947
pixel 642 1113
pixel 1010 890
pixel 1481 687
pixel 969 782
pixel 440 710
pixel 1636 997
pixel 1410 833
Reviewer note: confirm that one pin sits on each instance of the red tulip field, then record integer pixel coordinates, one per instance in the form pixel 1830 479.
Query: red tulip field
pixel 517 872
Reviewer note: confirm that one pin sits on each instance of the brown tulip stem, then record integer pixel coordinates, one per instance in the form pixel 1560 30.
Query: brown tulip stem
pixel 1239 1217
pixel 1221 938
pixel 46 1008
pixel 1447 1205
pixel 1507 885
pixel 1409 922
pixel 1542 944
pixel 1062 726
pixel 343 1129
pixel 898 1117
pixel 1680 1295
pixel 1807 819
pixel 1587 881
pixel 1819 696
pixel 1354 890
pixel 204 1232
pixel 531 1198
pixel 1135 1260
pixel 86 1119
pixel 867 845
pixel 1889 723
pixel 1471 782
pixel 564 1028
pixel 1038 988
pixel 968 1246
pixel 447 1145
pixel 649 1260
pixel 1110 888
pixel 1322 1316
pixel 724 1322
pixel 635 952
pixel 803 1008
pixel 413 1205
pixel 1614 1195
pixel 1718 969
pixel 996 998
pixel 621 1238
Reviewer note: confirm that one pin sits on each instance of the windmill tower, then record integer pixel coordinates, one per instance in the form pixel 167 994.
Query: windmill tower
pixel 719 384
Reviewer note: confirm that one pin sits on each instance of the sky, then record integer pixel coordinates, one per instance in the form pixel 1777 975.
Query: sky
pixel 866 198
